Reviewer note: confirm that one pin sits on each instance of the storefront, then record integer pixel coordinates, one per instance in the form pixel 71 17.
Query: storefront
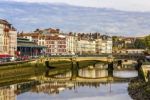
pixel 26 48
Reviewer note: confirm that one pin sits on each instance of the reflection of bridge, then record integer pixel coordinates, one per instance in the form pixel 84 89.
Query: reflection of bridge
pixel 80 76
pixel 96 73
pixel 85 80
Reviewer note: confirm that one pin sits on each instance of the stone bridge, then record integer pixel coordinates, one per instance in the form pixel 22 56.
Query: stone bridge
pixel 97 58
pixel 104 58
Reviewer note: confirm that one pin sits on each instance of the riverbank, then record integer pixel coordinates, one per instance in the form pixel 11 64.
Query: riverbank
pixel 15 62
pixel 139 89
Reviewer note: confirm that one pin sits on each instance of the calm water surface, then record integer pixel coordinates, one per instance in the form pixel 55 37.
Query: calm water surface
pixel 90 83
pixel 114 91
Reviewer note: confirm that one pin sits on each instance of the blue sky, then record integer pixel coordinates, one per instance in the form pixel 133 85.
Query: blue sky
pixel 115 17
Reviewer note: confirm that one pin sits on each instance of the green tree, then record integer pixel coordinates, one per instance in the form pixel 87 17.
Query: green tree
pixel 139 44
pixel 147 41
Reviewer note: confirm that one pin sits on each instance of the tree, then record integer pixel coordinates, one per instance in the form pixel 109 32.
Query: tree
pixel 139 44
pixel 147 41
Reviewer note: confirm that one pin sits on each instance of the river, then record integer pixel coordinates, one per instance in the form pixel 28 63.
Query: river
pixel 90 83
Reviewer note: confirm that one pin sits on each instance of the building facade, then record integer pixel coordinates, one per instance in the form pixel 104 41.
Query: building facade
pixel 86 47
pixel 8 38
pixel 71 44
pixel 56 45
pixel 27 48
pixel 104 45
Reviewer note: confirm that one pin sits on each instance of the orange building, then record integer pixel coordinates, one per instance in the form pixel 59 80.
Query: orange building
pixel 56 45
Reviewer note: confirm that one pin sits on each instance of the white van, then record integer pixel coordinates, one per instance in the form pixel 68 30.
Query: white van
pixel 12 58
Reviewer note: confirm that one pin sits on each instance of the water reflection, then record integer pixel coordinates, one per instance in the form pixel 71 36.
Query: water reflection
pixel 93 73
pixel 125 74
pixel 92 82
pixel 96 71
pixel 8 93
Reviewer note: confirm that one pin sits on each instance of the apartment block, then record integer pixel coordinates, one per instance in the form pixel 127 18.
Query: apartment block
pixel 8 38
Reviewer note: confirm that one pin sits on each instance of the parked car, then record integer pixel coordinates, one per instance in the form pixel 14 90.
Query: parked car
pixel 6 59
pixel 12 58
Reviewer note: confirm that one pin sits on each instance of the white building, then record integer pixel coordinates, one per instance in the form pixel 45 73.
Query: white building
pixel 41 40
pixel 8 38
pixel 86 47
pixel 71 44
pixel 103 46
pixel 13 42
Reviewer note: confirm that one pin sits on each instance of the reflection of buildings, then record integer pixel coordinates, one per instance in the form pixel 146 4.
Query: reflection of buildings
pixel 52 87
pixel 56 87
pixel 8 93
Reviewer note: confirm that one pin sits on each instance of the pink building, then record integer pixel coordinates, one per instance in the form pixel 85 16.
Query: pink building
pixel 56 44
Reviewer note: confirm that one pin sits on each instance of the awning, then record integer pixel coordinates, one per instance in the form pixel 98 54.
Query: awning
pixel 5 55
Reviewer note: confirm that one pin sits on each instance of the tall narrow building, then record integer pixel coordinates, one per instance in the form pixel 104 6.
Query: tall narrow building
pixel 8 38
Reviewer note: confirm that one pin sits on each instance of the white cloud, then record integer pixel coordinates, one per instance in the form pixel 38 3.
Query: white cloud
pixel 126 5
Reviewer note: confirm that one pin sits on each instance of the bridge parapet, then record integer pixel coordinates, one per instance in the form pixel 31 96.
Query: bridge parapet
pixel 105 59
